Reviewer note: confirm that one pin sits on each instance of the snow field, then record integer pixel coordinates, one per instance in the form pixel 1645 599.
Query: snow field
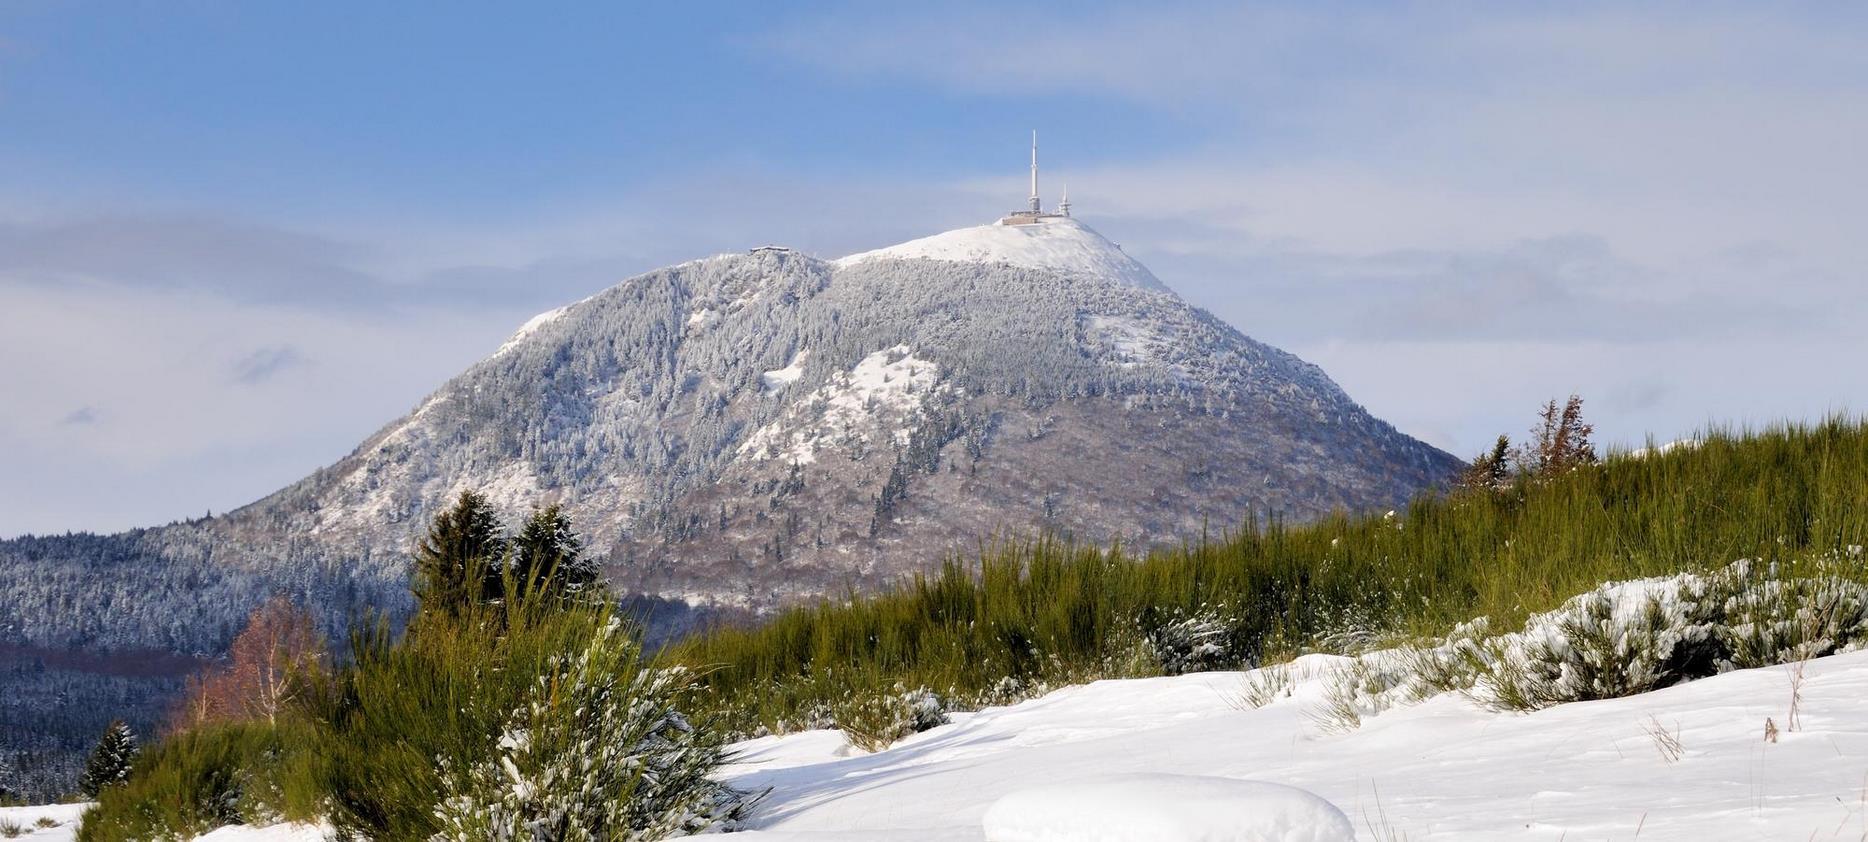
pixel 1689 762
pixel 63 816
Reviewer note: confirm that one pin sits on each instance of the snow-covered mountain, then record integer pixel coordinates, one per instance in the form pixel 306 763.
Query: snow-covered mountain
pixel 751 428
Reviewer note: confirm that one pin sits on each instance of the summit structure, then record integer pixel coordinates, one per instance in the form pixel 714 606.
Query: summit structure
pixel 1034 211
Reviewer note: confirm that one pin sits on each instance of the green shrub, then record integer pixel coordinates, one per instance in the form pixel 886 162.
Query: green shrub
pixel 412 727
pixel 596 751
pixel 215 775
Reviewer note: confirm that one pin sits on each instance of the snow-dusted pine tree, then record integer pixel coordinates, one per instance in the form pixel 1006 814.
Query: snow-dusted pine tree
pixel 110 761
pixel 547 555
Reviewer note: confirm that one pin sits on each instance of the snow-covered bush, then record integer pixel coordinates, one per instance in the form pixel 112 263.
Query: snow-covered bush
pixel 874 721
pixel 1198 642
pixel 1615 641
pixel 597 752
pixel 1769 619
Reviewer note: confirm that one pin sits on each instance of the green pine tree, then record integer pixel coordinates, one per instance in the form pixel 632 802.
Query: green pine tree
pixel 547 559
pixel 110 761
pixel 460 560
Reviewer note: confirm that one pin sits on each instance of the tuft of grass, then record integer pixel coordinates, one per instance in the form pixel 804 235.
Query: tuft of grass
pixel 1045 612
pixel 44 822
pixel 1263 686
pixel 10 828
pixel 1666 740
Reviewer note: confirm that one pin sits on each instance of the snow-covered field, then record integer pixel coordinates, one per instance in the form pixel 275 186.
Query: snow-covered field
pixel 1441 770
pixel 1690 762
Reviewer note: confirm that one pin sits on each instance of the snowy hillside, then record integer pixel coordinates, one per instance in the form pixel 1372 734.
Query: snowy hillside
pixel 1444 769
pixel 1057 244
pixel 1686 763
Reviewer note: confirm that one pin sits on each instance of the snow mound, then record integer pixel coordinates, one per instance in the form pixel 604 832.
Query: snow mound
pixel 1165 808
pixel 287 832
pixel 1061 245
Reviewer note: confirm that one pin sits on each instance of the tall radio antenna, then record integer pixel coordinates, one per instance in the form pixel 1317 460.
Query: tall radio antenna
pixel 1036 206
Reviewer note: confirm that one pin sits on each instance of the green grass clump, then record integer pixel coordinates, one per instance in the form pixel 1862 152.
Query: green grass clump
pixel 1043 612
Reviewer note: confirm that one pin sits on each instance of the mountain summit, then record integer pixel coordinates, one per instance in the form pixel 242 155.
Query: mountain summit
pixel 1052 244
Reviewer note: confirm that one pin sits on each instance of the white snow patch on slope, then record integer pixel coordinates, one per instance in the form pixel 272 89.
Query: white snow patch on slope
pixel 779 378
pixel 1059 245
pixel 1444 769
pixel 889 385
pixel 1165 808
pixel 531 326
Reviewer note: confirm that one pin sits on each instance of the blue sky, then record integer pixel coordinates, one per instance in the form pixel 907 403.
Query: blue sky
pixel 236 238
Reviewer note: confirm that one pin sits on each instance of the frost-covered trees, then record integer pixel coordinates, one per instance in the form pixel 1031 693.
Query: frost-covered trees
pixel 110 762
pixel 1185 642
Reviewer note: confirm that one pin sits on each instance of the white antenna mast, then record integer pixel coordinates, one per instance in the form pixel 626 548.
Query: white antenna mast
pixel 1035 205
pixel 1063 202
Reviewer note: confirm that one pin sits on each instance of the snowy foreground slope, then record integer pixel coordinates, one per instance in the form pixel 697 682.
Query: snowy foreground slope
pixel 1440 770
pixel 1443 769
